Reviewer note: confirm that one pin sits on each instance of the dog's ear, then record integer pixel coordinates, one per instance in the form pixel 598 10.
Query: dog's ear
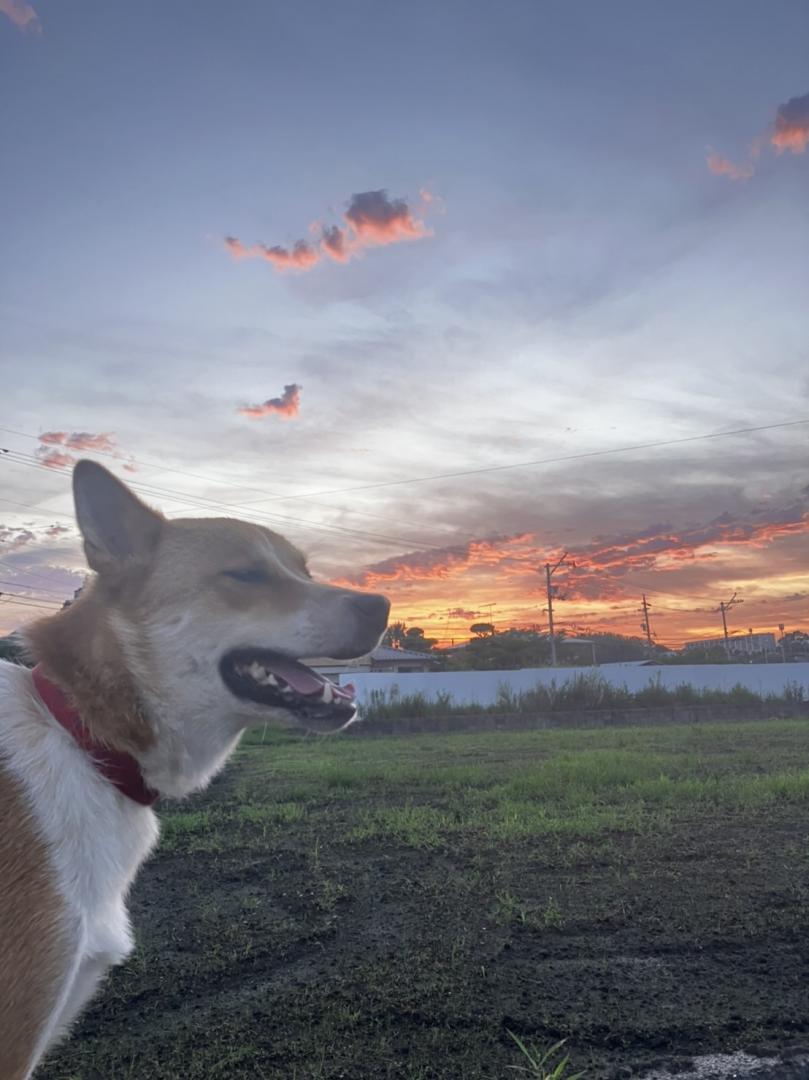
pixel 118 529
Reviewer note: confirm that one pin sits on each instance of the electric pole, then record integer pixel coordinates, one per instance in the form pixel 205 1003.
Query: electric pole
pixel 549 572
pixel 645 625
pixel 724 607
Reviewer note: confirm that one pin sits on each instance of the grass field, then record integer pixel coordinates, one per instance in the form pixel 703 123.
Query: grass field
pixel 404 907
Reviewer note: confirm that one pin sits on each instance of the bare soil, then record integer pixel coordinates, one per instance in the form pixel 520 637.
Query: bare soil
pixel 298 953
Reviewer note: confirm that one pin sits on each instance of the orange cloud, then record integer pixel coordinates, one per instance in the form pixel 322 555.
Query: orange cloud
pixel 54 459
pixel 302 256
pixel 721 166
pixel 376 219
pixel 371 220
pixel 22 15
pixel 792 126
pixel 80 440
pixel 286 406
pixel 336 243
pixel 434 587
pixel 789 131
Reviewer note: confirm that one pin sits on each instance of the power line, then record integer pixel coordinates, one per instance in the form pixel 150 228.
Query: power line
pixel 16 457
pixel 549 572
pixel 724 607
pixel 646 626
pixel 32 506
pixel 553 460
pixel 18 598
pixel 30 574
pixel 22 585
pixel 199 476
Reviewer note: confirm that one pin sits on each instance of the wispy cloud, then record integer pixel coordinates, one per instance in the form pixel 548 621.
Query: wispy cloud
pixel 301 256
pixel 80 440
pixel 13 538
pixel 55 448
pixel 286 406
pixel 789 131
pixel 722 166
pixel 600 581
pixel 372 219
pixel 22 15
pixel 53 458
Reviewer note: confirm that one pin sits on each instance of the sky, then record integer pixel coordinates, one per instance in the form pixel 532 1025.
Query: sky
pixel 441 292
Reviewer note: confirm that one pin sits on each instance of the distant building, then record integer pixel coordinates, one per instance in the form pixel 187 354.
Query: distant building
pixel 745 644
pixel 383 658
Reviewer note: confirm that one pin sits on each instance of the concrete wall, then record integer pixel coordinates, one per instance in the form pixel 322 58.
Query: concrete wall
pixel 480 687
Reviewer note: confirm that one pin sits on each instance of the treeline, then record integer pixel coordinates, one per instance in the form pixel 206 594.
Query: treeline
pixel 507 650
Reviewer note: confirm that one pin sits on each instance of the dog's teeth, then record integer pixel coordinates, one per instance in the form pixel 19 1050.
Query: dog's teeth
pixel 328 694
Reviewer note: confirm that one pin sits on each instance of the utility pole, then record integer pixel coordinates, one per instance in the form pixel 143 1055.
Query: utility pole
pixel 645 625
pixel 549 572
pixel 724 607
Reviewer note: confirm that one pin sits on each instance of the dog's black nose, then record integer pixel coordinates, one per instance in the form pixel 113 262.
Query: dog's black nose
pixel 372 608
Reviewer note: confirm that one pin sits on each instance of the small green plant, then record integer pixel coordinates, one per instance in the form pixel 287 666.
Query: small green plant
pixel 544 1064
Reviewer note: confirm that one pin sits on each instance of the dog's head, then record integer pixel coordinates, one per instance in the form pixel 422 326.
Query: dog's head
pixel 215 615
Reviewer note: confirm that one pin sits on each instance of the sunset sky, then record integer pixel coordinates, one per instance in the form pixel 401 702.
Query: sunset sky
pixel 417 285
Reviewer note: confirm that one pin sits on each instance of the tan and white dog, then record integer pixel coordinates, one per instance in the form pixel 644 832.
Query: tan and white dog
pixel 191 631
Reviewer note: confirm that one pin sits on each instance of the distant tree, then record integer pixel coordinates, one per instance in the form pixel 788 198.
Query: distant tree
pixel 395 635
pixel 400 636
pixel 482 629
pixel 713 654
pixel 612 648
pixel 414 639
pixel 506 651
pixel 796 644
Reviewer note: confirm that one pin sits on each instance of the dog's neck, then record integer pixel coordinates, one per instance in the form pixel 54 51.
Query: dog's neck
pixel 85 654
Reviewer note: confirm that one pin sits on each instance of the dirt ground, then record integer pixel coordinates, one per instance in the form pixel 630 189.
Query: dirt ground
pixel 294 950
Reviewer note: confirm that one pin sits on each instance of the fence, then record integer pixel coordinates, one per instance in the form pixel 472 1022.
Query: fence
pixel 482 687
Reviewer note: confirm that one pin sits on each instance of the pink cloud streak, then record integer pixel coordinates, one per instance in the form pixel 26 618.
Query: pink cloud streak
pixel 372 219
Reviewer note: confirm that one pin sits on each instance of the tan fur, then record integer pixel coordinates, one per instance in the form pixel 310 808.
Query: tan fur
pixel 78 650
pixel 39 945
pixel 79 653
pixel 140 656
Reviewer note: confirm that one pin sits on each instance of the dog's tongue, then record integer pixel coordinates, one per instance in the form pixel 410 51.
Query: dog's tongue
pixel 303 679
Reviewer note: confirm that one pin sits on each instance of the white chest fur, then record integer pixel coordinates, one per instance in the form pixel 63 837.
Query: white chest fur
pixel 95 837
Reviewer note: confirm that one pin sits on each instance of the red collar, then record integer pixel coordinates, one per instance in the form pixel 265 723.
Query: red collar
pixel 120 769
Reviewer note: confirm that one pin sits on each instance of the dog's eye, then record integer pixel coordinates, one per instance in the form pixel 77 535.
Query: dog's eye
pixel 251 575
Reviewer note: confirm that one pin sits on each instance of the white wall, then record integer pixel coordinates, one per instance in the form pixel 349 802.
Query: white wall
pixel 480 687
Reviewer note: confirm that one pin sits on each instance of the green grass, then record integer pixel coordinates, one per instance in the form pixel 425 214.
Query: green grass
pixel 544 1064
pixel 424 793
pixel 396 907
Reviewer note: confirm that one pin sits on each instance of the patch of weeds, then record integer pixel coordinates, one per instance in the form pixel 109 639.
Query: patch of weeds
pixel 509 908
pixel 271 813
pixel 550 917
pixel 415 826
pixel 177 830
pixel 544 1064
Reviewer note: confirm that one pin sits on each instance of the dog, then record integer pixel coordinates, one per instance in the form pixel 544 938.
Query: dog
pixel 190 631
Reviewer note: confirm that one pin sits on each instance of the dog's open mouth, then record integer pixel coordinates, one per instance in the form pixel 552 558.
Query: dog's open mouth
pixel 275 680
